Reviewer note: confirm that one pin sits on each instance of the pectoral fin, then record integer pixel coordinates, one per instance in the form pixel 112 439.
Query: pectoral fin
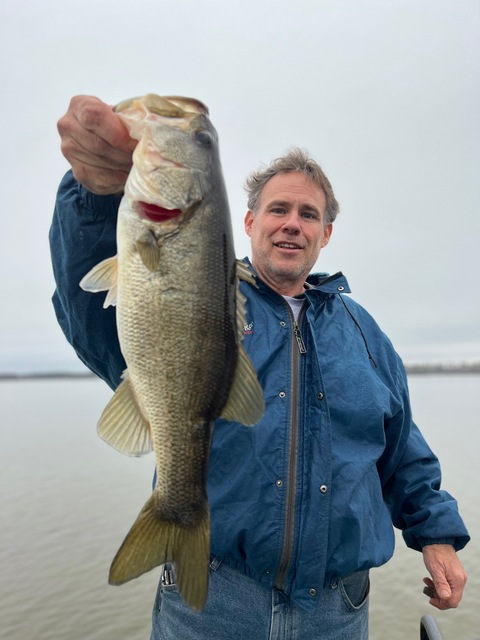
pixel 122 424
pixel 149 250
pixel 103 277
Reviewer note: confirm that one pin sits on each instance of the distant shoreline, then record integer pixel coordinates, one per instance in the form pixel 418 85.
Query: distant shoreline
pixel 448 367
pixel 412 369
pixel 46 375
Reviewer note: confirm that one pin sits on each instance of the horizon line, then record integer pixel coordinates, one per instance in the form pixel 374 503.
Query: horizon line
pixel 411 368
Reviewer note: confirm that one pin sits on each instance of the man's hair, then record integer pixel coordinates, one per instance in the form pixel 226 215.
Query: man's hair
pixel 295 159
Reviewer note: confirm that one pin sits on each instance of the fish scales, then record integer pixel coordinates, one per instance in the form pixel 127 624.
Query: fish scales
pixel 179 314
pixel 179 363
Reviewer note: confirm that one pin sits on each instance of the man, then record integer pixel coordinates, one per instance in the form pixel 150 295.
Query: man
pixel 303 503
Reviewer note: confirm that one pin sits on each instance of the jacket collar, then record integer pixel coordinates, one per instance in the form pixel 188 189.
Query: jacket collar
pixel 323 282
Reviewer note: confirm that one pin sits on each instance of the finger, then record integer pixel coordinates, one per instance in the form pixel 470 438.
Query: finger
pixel 100 181
pixel 443 605
pixel 100 174
pixel 430 592
pixel 91 150
pixel 435 600
pixel 92 133
pixel 429 589
pixel 94 116
pixel 96 144
pixel 439 586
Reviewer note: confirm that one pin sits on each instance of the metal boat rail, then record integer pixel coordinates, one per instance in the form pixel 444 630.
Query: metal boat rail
pixel 429 629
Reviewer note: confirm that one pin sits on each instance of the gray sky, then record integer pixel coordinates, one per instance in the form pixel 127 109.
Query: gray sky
pixel 385 94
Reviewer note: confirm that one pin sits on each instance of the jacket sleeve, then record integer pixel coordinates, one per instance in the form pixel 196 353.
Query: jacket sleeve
pixel 83 233
pixel 424 512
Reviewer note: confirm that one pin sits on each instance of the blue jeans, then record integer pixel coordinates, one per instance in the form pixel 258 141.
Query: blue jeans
pixel 239 608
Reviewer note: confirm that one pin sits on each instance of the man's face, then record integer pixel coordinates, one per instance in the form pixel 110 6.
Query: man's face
pixel 287 231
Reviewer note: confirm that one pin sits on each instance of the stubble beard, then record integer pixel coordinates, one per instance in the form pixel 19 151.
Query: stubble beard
pixel 280 274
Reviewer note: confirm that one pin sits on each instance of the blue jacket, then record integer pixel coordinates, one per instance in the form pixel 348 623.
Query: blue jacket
pixel 310 493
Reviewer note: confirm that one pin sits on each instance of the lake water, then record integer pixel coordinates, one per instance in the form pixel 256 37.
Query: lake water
pixel 67 500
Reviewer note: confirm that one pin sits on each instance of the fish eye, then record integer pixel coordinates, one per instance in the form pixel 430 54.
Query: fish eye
pixel 204 138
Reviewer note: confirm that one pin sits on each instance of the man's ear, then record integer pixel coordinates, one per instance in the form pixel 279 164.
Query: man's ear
pixel 327 234
pixel 248 221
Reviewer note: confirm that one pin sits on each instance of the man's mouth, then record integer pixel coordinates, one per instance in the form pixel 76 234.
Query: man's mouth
pixel 287 245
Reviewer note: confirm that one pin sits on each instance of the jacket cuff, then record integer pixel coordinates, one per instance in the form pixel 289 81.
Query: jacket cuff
pixel 100 206
pixel 425 542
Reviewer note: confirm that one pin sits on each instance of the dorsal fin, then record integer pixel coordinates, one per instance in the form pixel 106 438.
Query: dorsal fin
pixel 245 403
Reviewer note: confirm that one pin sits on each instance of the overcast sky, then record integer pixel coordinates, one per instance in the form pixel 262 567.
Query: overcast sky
pixel 385 94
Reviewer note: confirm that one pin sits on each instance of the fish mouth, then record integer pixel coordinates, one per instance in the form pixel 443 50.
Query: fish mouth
pixel 156 213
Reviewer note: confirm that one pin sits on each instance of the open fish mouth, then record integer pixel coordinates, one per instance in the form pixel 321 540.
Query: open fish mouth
pixel 156 213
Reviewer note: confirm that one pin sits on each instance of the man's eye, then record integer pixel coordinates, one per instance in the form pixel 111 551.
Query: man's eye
pixel 278 210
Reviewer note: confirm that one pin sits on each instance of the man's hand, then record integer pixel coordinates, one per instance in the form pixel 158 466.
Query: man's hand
pixel 96 144
pixel 445 588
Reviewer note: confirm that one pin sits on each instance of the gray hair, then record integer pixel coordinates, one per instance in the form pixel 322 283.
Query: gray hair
pixel 295 159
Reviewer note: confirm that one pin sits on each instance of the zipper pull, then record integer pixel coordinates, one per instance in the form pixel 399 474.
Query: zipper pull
pixel 298 337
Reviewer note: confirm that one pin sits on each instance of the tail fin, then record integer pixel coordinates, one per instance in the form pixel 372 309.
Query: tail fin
pixel 152 541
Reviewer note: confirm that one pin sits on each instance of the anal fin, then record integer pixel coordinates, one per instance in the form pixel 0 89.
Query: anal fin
pixel 122 424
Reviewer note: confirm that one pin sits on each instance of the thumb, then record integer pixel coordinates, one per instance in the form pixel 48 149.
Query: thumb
pixel 441 587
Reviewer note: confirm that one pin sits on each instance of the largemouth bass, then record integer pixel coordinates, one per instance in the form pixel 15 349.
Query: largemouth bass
pixel 180 314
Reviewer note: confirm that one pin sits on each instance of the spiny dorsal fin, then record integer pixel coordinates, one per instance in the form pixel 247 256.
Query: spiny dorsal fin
pixel 243 272
pixel 245 403
pixel 103 277
pixel 149 250
pixel 122 424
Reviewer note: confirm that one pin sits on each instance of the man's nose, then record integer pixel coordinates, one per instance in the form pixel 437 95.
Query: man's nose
pixel 291 223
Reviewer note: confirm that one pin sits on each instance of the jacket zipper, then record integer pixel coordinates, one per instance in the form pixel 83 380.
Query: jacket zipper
pixel 291 491
pixel 298 336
